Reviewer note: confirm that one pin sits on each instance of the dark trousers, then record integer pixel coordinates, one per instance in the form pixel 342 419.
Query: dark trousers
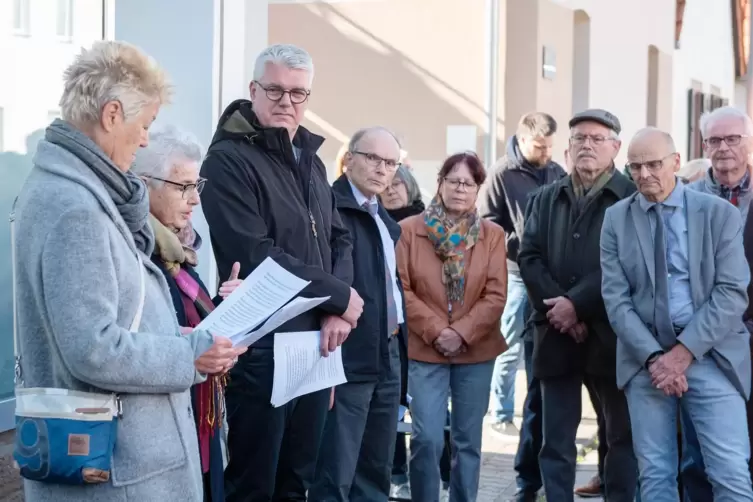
pixel 355 461
pixel 272 450
pixel 527 457
pixel 561 403
pixel 601 426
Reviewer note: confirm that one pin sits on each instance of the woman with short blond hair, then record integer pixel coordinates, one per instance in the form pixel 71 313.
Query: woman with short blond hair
pixel 84 275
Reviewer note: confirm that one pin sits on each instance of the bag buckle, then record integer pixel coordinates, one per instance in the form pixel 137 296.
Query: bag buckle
pixel 17 373
pixel 119 406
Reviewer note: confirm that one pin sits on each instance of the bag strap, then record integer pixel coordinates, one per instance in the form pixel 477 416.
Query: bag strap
pixel 18 373
pixel 142 295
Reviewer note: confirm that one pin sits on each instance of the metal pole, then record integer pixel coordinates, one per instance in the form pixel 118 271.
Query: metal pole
pixel 492 94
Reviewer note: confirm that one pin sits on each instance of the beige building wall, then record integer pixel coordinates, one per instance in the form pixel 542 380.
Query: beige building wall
pixel 414 66
pixel 419 66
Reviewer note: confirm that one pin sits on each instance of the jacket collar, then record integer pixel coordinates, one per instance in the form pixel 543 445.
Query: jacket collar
pixel 619 185
pixel 239 121
pixel 346 201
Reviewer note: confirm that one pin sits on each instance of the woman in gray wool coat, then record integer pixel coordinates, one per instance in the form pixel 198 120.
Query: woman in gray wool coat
pixel 82 227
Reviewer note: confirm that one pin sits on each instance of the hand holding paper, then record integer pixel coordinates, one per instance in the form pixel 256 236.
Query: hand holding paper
pixel 300 369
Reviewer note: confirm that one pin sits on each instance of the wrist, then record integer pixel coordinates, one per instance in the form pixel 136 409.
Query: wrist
pixel 653 357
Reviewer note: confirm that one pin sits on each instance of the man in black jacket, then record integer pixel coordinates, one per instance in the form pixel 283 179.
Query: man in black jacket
pixel 560 264
pixel 359 433
pixel 267 195
pixel 526 167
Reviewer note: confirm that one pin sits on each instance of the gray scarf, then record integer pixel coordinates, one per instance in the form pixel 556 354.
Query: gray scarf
pixel 127 191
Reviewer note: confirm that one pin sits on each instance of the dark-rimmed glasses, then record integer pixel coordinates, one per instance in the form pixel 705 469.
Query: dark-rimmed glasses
pixel 455 183
pixel 731 140
pixel 187 189
pixel 275 93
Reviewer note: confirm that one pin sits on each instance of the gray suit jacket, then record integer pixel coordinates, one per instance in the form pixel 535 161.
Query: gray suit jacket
pixel 719 277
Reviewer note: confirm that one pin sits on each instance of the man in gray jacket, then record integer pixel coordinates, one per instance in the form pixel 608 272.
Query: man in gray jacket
pixel 674 280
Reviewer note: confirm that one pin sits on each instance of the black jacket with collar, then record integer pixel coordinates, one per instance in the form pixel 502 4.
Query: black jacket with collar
pixel 505 194
pixel 259 202
pixel 365 352
pixel 560 255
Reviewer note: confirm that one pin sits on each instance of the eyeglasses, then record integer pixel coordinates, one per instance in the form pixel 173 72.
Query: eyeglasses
pixel 653 166
pixel 455 183
pixel 596 139
pixel 275 93
pixel 731 140
pixel 375 160
pixel 187 189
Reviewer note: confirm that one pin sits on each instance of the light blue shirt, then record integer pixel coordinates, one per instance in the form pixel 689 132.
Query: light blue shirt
pixel 388 246
pixel 676 232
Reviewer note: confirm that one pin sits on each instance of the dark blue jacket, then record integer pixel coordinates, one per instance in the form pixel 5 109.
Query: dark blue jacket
pixel 366 351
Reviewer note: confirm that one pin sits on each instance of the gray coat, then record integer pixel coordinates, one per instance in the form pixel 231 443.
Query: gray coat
pixel 78 291
pixel 719 277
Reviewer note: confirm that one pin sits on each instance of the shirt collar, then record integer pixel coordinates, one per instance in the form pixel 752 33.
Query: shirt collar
pixel 675 199
pixel 361 199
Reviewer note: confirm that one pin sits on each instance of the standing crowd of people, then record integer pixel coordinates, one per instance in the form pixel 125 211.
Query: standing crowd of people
pixel 633 283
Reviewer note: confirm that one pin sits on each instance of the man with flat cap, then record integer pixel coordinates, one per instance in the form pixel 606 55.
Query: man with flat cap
pixel 573 340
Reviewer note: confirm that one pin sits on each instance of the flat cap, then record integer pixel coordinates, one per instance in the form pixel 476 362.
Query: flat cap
pixel 603 117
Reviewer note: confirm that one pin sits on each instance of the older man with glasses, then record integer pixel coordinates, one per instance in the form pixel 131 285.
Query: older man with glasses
pixel 267 195
pixel 573 340
pixel 674 279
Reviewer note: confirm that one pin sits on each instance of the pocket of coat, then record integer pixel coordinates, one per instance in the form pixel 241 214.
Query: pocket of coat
pixel 151 436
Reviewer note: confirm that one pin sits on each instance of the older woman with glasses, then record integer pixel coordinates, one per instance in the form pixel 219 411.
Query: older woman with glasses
pixel 83 275
pixel 402 198
pixel 170 166
pixel 453 266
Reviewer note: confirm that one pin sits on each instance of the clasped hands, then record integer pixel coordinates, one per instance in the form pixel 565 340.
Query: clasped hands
pixel 668 371
pixel 449 343
pixel 562 317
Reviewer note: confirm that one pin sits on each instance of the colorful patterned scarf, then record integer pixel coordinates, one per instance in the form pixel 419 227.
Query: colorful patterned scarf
pixel 209 395
pixel 452 240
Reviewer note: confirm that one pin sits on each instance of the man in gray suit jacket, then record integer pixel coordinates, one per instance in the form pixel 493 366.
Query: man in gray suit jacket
pixel 677 311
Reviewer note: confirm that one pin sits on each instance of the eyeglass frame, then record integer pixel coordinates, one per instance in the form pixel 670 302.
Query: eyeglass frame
pixel 184 187
pixel 375 160
pixel 596 139
pixel 460 183
pixel 736 140
pixel 289 92
pixel 653 166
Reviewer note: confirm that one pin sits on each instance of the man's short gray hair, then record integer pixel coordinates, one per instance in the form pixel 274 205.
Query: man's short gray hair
pixel 724 112
pixel 167 146
pixel 536 125
pixel 111 71
pixel 287 55
pixel 411 185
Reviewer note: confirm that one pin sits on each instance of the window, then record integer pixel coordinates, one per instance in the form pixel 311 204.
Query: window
pixel 64 28
pixel 21 21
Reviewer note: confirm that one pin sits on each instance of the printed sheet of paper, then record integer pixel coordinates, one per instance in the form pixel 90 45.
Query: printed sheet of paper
pixel 261 294
pixel 300 369
pixel 293 309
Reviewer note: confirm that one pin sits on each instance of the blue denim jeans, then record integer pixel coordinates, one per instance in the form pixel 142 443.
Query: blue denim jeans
pixel 717 411
pixel 506 365
pixel 430 386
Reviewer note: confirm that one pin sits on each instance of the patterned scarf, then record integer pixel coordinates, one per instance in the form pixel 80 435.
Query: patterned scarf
pixel 209 395
pixel 581 191
pixel 452 240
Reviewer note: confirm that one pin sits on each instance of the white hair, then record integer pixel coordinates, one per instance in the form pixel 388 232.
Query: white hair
pixel 167 146
pixel 694 168
pixel 724 112
pixel 287 55
pixel 111 71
